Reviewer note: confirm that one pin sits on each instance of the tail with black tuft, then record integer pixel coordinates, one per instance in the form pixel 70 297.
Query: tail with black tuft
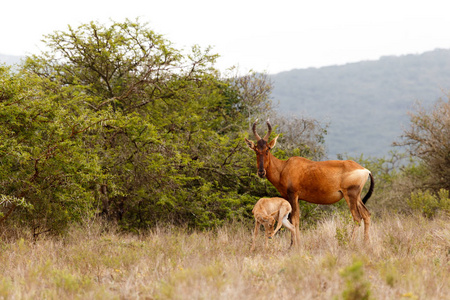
pixel 369 193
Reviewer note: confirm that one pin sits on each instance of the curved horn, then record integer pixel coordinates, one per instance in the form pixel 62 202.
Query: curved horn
pixel 254 130
pixel 266 137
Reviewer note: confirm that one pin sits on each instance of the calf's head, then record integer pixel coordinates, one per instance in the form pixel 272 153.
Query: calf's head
pixel 268 221
pixel 262 148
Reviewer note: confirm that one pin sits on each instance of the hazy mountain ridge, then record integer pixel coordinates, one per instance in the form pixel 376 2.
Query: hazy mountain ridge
pixel 367 102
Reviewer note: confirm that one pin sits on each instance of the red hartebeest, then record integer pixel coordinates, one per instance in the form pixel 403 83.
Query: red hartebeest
pixel 323 182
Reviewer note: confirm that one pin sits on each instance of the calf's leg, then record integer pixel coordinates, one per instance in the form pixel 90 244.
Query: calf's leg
pixel 255 234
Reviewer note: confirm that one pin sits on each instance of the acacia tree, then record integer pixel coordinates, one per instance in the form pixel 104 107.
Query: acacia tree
pixel 171 148
pixel 428 139
pixel 131 127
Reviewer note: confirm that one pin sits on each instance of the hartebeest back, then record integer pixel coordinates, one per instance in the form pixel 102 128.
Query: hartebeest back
pixel 268 210
pixel 323 182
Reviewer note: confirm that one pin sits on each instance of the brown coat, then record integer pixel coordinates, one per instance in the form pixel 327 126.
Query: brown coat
pixel 323 182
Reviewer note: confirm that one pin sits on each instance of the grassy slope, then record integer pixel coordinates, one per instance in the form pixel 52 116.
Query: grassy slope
pixel 408 259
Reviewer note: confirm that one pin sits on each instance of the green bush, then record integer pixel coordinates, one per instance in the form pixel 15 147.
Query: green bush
pixel 356 287
pixel 429 204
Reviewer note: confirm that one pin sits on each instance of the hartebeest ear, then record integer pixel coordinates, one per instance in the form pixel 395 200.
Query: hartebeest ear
pixel 250 144
pixel 273 142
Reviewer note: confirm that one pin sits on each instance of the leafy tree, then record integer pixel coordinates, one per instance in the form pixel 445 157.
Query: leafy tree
pixel 113 120
pixel 172 146
pixel 428 139
pixel 44 162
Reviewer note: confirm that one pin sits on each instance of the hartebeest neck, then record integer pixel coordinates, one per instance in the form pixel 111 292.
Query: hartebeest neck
pixel 273 170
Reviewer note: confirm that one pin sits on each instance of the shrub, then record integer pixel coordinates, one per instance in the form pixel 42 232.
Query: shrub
pixel 428 204
pixel 356 286
pixel 428 139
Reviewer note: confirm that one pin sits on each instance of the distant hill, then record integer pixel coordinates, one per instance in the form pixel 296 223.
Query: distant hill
pixel 10 59
pixel 365 103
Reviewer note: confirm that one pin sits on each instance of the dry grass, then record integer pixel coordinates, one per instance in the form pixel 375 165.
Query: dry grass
pixel 409 258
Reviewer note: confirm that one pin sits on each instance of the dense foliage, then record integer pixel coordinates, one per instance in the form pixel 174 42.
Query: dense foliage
pixel 113 120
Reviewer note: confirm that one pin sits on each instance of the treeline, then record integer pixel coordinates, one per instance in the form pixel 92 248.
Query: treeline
pixel 114 121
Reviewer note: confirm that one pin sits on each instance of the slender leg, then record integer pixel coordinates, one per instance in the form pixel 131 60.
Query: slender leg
pixel 366 217
pixel 359 211
pixel 255 233
pixel 295 219
pixel 351 197
pixel 266 236
pixel 281 214
pixel 288 225
pixel 366 229
pixel 354 230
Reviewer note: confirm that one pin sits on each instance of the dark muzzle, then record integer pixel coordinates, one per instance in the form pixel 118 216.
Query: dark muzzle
pixel 262 173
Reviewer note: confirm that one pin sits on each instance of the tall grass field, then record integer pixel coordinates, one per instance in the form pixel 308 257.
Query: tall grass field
pixel 408 258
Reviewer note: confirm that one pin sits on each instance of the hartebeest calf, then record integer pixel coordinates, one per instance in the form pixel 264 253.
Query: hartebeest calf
pixel 266 212
pixel 323 182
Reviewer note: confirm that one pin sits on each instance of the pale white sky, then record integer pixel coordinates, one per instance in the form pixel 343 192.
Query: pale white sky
pixel 266 36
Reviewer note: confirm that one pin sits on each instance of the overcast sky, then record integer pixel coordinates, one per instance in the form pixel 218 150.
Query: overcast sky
pixel 265 36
